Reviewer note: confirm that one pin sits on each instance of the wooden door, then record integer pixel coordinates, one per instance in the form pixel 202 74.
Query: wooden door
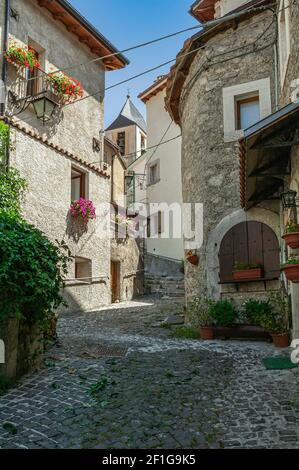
pixel 114 281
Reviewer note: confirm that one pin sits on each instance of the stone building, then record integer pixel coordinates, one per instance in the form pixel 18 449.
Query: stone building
pixel 57 144
pixel 127 252
pixel 228 96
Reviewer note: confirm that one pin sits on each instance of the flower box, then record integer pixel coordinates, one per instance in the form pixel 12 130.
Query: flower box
pixel 22 57
pixel 83 209
pixel 249 274
pixel 67 88
pixel 292 239
pixel 291 272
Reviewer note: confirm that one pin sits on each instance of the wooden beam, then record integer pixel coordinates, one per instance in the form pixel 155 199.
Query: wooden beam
pixel 44 3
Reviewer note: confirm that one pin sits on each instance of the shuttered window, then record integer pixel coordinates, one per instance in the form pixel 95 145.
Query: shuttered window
pixel 249 242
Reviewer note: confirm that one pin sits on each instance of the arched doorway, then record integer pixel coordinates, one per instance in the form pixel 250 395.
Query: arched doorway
pixel 249 242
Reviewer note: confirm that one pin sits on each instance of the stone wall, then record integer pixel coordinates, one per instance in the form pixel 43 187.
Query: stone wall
pixel 75 127
pixel 129 253
pixel 292 72
pixel 46 205
pixel 210 167
pixel 48 172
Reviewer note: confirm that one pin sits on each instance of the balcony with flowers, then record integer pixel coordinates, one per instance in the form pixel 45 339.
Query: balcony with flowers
pixel 46 92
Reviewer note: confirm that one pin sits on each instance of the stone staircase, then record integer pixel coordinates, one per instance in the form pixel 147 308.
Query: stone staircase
pixel 165 286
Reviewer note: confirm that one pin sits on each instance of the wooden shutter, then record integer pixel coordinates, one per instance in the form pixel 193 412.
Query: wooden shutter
pixel 249 242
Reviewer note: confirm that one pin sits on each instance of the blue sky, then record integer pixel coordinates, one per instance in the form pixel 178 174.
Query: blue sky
pixel 126 23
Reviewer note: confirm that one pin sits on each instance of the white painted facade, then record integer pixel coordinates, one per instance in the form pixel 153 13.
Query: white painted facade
pixel 167 157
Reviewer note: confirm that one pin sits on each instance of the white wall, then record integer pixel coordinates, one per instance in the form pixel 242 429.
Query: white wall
pixel 169 188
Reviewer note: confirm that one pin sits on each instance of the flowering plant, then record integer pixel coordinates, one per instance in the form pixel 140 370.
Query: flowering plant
pixel 83 209
pixel 291 227
pixel 240 266
pixel 65 86
pixel 22 56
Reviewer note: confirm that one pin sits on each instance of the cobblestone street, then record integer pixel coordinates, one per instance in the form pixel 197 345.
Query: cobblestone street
pixel 117 380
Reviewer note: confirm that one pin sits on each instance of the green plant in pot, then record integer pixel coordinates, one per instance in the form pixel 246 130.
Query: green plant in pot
pixel 224 313
pixel 291 235
pixel 254 310
pixel 291 269
pixel 277 320
pixel 200 317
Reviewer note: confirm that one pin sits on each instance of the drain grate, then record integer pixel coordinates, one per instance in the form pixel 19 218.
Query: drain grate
pixel 111 351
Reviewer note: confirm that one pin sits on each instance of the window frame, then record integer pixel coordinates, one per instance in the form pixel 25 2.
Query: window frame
pixel 151 182
pixel 85 261
pixel 239 101
pixel 82 176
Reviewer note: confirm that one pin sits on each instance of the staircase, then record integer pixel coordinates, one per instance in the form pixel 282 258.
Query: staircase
pixel 165 286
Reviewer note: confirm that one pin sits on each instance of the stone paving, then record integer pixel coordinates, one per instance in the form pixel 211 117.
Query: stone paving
pixel 157 392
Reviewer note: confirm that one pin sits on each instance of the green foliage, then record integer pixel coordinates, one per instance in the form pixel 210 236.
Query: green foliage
pixel 187 332
pixel 255 310
pixel 199 312
pixel 31 270
pixel 291 227
pixel 4 142
pixel 12 187
pixel 291 260
pixel 223 312
pixel 240 266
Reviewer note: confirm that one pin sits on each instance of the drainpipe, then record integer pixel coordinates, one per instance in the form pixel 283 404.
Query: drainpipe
pixel 5 46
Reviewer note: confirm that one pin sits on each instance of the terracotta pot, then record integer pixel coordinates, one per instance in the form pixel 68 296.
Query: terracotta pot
pixel 193 259
pixel 292 239
pixel 206 332
pixel 281 340
pixel 292 272
pixel 248 274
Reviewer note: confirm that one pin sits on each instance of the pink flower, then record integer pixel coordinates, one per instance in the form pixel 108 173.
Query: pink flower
pixel 83 209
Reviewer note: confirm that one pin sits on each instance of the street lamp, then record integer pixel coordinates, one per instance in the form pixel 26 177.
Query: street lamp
pixel 44 107
pixel 288 199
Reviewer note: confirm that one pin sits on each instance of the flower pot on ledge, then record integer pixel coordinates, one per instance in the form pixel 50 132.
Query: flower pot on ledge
pixel 193 259
pixel 249 274
pixel 292 272
pixel 281 340
pixel 292 239
pixel 206 332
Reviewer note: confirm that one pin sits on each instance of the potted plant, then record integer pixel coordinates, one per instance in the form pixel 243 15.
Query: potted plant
pixel 83 209
pixel 22 57
pixel 291 236
pixel 291 269
pixel 247 271
pixel 201 318
pixel 224 313
pixel 67 88
pixel 192 257
pixel 276 321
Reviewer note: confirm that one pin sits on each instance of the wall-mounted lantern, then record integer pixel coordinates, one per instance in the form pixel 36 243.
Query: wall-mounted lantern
pixel 44 107
pixel 288 199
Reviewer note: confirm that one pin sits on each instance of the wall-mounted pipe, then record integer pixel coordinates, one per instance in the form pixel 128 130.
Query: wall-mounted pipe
pixel 5 46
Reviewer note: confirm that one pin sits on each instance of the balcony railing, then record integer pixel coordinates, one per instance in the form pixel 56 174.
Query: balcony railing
pixel 35 84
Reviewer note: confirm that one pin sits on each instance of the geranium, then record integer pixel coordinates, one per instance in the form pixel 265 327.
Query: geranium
pixel 22 56
pixel 69 88
pixel 83 209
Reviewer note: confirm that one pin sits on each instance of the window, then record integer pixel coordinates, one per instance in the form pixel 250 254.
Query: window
pixel 283 37
pixel 154 173
pixel 78 184
pixel 142 144
pixel 159 222
pixel 34 77
pixel 244 105
pixel 247 112
pixel 83 269
pixel 121 142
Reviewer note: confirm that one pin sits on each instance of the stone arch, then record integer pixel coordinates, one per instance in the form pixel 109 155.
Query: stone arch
pixel 268 217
